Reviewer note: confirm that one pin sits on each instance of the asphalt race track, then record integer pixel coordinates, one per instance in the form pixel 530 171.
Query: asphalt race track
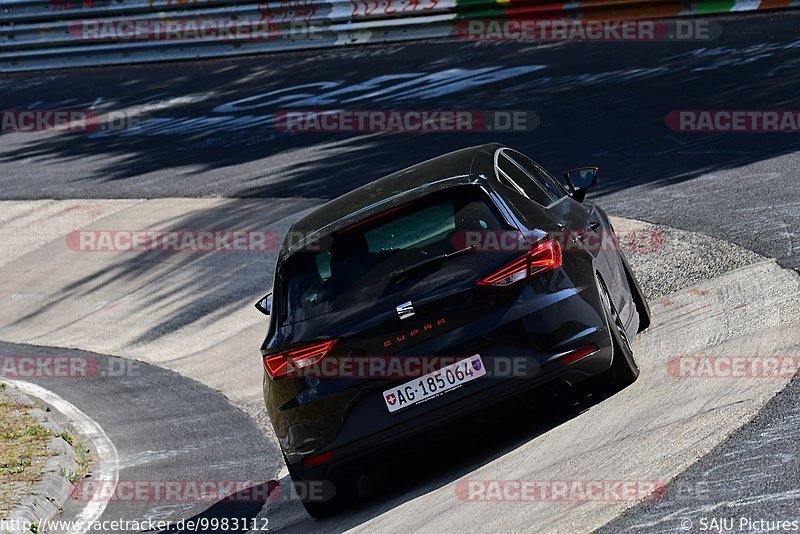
pixel 204 153
pixel 143 398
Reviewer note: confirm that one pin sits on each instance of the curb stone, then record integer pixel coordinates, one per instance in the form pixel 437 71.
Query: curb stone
pixel 48 495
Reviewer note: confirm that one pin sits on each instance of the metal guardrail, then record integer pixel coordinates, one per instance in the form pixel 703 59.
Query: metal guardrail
pixel 50 34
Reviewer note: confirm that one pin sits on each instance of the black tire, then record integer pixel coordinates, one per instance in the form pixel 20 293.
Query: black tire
pixel 337 494
pixel 638 298
pixel 624 371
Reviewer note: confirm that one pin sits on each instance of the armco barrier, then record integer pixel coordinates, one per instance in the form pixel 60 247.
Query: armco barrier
pixel 49 34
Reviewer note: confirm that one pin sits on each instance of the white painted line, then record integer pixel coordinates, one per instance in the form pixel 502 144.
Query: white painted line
pixel 106 472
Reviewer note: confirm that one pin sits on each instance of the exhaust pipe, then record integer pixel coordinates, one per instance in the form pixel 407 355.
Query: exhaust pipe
pixel 564 388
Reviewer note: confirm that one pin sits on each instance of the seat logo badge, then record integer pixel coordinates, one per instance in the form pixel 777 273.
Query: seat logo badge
pixel 405 310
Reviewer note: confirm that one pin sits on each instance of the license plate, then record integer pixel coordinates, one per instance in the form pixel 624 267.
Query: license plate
pixel 434 384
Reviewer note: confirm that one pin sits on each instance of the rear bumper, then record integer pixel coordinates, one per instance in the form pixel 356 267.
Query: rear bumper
pixel 531 333
pixel 464 403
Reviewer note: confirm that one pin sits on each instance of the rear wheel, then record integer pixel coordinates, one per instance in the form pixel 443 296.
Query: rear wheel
pixel 638 299
pixel 624 370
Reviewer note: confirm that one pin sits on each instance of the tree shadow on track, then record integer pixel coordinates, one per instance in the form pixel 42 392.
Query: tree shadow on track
pixel 604 101
pixel 180 288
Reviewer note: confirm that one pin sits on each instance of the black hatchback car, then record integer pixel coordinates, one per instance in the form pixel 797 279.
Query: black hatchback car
pixel 439 290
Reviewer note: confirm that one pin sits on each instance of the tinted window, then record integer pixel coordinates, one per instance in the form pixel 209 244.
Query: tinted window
pixel 416 230
pixel 554 189
pixel 353 266
pixel 513 176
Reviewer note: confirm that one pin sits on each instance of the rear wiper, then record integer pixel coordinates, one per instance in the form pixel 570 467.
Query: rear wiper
pixel 435 259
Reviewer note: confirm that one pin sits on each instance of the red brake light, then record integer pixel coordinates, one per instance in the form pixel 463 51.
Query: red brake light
pixel 285 362
pixel 319 459
pixel 578 354
pixel 545 256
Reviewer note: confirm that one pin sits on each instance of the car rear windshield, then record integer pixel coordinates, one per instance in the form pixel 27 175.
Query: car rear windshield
pixel 359 265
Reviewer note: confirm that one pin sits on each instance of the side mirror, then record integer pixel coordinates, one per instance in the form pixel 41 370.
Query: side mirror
pixel 265 304
pixel 580 180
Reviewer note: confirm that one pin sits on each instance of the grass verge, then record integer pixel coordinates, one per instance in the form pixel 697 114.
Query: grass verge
pixel 23 451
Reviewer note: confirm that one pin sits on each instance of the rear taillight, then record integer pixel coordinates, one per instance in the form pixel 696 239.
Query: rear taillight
pixel 319 459
pixel 544 256
pixel 288 361
pixel 578 354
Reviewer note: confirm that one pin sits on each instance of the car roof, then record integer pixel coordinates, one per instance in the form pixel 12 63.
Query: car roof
pixel 473 165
